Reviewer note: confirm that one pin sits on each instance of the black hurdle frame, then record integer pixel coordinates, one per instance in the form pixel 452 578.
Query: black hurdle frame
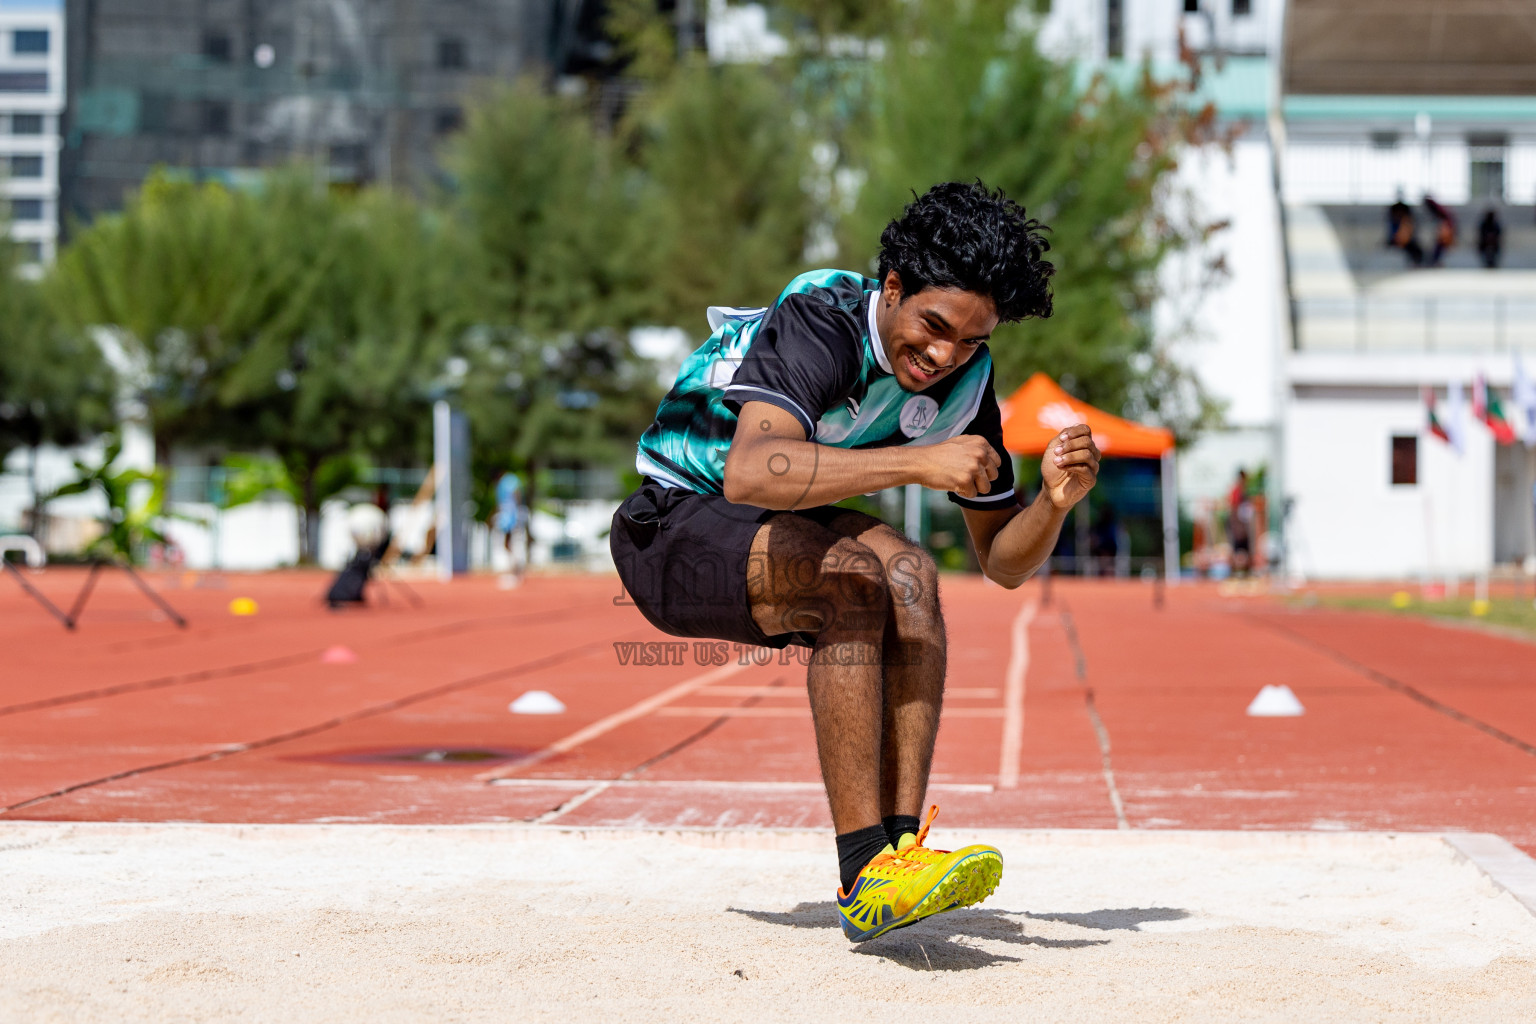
pixel 72 617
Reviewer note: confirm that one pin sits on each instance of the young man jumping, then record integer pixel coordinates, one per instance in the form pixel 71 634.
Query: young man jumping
pixel 846 386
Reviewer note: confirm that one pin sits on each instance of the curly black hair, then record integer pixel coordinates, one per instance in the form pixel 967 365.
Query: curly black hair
pixel 966 236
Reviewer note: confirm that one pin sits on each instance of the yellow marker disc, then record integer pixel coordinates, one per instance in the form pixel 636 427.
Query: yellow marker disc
pixel 1480 608
pixel 242 606
pixel 1402 599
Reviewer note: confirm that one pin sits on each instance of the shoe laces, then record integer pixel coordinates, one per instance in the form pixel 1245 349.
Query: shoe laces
pixel 918 852
pixel 922 833
pixel 915 857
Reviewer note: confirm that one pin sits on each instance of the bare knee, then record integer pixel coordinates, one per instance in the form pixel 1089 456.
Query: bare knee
pixel 913 583
pixel 854 584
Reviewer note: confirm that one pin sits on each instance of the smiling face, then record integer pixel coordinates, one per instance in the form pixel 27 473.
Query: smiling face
pixel 932 333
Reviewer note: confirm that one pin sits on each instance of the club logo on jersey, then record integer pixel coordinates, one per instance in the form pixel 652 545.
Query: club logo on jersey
pixel 918 415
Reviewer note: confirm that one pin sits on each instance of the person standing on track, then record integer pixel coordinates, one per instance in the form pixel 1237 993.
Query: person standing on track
pixel 511 522
pixel 845 386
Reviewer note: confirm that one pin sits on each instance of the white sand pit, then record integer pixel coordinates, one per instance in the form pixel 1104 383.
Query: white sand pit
pixel 102 922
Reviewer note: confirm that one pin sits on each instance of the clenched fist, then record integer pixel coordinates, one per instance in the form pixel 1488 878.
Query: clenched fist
pixel 1070 466
pixel 966 465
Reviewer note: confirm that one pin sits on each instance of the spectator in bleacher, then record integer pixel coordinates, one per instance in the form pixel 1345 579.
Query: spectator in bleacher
pixel 1402 231
pixel 1445 229
pixel 1490 239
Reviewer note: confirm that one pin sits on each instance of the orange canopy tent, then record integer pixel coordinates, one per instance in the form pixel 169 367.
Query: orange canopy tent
pixel 1040 409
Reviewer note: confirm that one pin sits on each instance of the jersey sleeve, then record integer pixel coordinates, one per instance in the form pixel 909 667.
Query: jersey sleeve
pixel 805 360
pixel 988 424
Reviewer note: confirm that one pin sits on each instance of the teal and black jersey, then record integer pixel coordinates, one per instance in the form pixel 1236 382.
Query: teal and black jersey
pixel 816 353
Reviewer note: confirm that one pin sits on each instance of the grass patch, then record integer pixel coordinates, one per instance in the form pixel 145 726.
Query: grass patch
pixel 1509 612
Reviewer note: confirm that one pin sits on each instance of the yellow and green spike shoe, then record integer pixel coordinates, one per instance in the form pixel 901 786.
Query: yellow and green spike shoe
pixel 899 888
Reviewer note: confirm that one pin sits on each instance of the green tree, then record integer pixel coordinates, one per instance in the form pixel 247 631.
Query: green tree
pixel 55 387
pixel 181 280
pixel 962 93
pixel 293 318
pixel 344 370
pixel 544 233
pixel 827 19
pixel 725 207
pixel 540 216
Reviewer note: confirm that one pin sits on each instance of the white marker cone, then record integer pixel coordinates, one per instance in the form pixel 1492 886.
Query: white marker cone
pixel 1276 702
pixel 338 656
pixel 536 702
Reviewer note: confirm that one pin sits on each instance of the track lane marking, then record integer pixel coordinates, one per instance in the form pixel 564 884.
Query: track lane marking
pixel 796 712
pixel 633 774
pixel 606 725
pixel 302 657
pixel 1013 700
pixel 229 750
pixel 536 782
pixel 1101 734
pixel 799 694
pixel 1395 685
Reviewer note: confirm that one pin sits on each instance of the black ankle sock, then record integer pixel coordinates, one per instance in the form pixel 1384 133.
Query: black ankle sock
pixel 856 849
pixel 898 824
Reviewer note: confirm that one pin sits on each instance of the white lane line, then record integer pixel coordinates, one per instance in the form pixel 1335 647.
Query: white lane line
pixel 799 694
pixel 720 784
pixel 1013 699
pixel 571 804
pixel 1109 769
pixel 759 711
pixel 613 721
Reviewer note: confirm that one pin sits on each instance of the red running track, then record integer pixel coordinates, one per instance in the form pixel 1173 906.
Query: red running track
pixel 1097 710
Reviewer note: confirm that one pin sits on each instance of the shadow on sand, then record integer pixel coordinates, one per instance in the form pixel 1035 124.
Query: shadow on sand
pixel 931 944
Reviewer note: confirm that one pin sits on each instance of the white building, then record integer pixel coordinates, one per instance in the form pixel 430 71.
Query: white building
pixel 1442 103
pixel 31 102
pixel 1322 338
pixel 1232 330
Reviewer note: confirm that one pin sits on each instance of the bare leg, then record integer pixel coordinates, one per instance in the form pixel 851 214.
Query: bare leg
pixel 916 653
pixel 803 577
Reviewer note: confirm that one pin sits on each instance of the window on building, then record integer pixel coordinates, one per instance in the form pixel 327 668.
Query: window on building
pixel 23 81
pixel 32 250
pixel 450 54
pixel 29 40
pixel 1191 6
pixel 158 114
pixel 216 119
pixel 1242 8
pixel 1405 461
pixel 26 165
pixel 217 48
pixel 448 120
pixel 1385 140
pixel 26 209
pixel 1114 28
pixel 26 124
pixel 1486 152
pixel 348 155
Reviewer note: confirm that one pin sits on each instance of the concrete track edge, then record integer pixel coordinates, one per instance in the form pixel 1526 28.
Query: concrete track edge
pixel 1504 864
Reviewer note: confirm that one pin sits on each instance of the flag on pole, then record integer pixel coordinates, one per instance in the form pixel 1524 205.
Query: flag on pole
pixel 1524 401
pixel 1486 407
pixel 1456 416
pixel 1435 426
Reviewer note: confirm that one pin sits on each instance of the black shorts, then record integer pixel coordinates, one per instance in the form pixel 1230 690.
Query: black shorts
pixel 683 560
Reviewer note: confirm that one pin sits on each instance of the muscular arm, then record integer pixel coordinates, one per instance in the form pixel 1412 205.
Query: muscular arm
pixel 771 464
pixel 1012 544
